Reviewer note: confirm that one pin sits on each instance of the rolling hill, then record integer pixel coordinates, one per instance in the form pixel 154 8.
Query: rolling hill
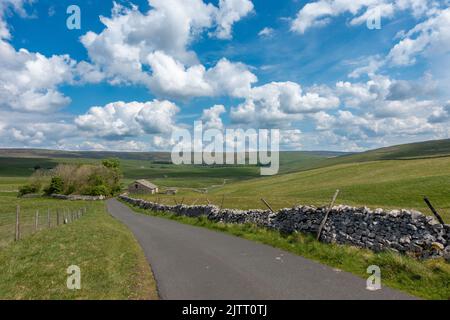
pixel 419 150
pixel 391 184
pixel 154 165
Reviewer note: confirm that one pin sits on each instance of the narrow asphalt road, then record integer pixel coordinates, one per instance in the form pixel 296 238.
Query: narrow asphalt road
pixel 196 263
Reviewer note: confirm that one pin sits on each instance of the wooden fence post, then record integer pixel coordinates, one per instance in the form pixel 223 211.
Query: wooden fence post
pixel 268 205
pixel 48 218
pixel 17 234
pixel 326 214
pixel 223 200
pixel 57 217
pixel 436 214
pixel 36 221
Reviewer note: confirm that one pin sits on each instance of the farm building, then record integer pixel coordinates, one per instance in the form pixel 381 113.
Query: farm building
pixel 142 186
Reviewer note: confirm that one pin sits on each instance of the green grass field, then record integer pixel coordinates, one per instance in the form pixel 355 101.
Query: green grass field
pixel 385 184
pixel 420 150
pixel 112 264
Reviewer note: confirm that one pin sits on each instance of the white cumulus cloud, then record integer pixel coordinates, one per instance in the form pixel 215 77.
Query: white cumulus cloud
pixel 29 81
pixel 319 13
pixel 171 78
pixel 212 117
pixel 120 119
pixel 430 37
pixel 230 12
pixel 279 103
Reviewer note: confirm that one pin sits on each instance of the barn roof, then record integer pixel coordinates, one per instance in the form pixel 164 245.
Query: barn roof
pixel 146 183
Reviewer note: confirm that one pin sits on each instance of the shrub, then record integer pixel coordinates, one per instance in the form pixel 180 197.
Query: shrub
pixel 70 189
pixel 96 179
pixel 28 189
pixel 100 190
pixel 56 186
pixel 86 179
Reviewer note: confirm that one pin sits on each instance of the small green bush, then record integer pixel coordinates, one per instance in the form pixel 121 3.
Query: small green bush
pixel 28 189
pixel 70 189
pixel 96 180
pixel 56 186
pixel 100 190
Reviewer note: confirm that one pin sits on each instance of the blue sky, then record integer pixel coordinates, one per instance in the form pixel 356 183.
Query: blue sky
pixel 317 72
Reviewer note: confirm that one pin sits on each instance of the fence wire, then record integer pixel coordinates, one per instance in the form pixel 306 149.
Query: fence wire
pixel 18 225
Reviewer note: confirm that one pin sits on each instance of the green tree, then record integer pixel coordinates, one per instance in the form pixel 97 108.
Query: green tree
pixel 56 186
pixel 112 163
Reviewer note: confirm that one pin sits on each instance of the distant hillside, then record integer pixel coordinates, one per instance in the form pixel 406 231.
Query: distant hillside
pixel 290 161
pixel 418 150
pixel 306 160
pixel 56 154
pixel 153 156
pixel 426 149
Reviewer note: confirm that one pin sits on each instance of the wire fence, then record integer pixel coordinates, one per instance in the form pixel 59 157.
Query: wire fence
pixel 17 225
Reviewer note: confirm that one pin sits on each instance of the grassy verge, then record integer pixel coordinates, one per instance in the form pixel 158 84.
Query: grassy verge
pixel 112 263
pixel 426 279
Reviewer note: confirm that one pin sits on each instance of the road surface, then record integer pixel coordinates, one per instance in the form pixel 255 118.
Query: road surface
pixel 190 262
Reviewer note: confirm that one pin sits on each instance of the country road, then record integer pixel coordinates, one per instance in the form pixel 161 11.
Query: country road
pixel 196 263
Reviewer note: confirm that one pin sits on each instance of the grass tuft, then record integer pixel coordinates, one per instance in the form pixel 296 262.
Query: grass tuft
pixel 112 263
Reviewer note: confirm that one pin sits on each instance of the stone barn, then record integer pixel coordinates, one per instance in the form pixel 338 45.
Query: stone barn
pixel 143 187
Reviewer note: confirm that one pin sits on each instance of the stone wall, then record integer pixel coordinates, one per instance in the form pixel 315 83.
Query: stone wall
pixel 403 231
pixel 75 197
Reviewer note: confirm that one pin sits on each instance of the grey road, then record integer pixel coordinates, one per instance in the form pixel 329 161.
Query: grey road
pixel 196 263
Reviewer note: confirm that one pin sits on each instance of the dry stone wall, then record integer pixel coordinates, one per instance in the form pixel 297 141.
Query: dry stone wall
pixel 74 197
pixel 404 231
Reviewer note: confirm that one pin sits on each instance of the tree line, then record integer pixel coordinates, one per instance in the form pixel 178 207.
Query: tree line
pixel 84 179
